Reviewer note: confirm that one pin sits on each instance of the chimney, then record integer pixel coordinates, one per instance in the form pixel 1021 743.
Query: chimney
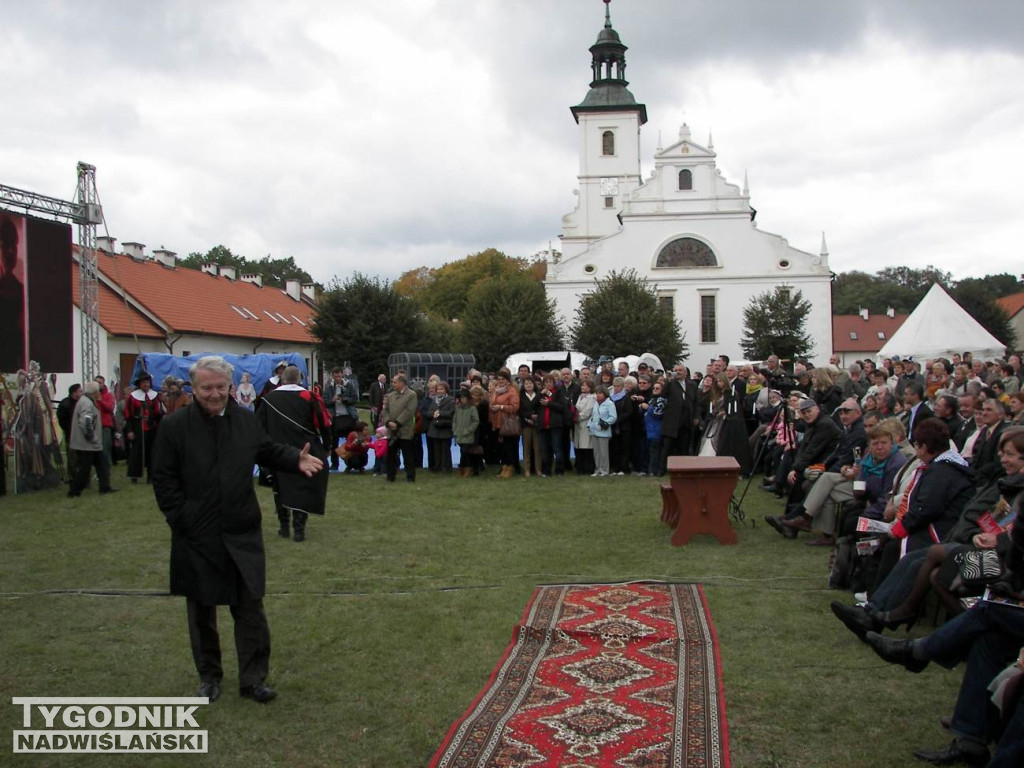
pixel 107 243
pixel 890 311
pixel 864 313
pixel 210 268
pixel 253 278
pixel 136 250
pixel 294 289
pixel 165 257
pixel 309 291
pixel 229 272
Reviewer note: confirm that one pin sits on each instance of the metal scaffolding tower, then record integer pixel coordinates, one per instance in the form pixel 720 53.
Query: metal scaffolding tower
pixel 87 213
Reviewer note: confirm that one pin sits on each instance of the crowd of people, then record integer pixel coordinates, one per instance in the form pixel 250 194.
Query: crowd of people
pixel 911 475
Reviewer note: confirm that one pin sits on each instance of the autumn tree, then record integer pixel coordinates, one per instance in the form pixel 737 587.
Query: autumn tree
pixel 445 290
pixel 508 314
pixel 621 317
pixel 775 324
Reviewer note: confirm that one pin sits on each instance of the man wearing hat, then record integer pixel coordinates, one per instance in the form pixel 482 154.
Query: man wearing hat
pixel 274 381
pixel 821 435
pixel 143 410
pixel 816 511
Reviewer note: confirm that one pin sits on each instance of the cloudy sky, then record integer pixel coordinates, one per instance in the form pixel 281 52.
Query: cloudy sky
pixel 383 136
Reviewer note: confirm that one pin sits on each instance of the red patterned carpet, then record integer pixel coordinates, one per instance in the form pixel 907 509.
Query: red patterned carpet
pixel 601 676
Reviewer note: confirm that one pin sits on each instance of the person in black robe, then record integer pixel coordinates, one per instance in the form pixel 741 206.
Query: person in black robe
pixel 295 416
pixel 202 477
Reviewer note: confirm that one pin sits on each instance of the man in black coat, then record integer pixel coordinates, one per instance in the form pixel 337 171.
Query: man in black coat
pixel 680 420
pixel 985 460
pixel 375 395
pixel 293 415
pixel 202 477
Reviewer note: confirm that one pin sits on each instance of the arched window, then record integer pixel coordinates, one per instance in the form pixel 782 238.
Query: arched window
pixel 686 252
pixel 685 179
pixel 607 143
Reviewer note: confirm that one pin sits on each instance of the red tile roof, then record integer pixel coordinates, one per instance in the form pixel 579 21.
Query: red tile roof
pixel 866 331
pixel 190 301
pixel 1012 304
pixel 114 317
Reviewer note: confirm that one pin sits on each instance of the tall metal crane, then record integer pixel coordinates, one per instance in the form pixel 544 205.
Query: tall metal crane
pixel 86 213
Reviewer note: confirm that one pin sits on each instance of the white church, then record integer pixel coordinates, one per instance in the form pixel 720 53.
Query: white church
pixel 685 228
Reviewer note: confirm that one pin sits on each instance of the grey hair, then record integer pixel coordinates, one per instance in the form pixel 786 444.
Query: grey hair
pixel 291 375
pixel 214 363
pixel 854 368
pixel 618 381
pixel 91 387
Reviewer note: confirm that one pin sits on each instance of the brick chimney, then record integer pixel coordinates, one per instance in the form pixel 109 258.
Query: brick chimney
pixel 229 272
pixel 309 291
pixel 211 268
pixel 107 243
pixel 294 289
pixel 253 278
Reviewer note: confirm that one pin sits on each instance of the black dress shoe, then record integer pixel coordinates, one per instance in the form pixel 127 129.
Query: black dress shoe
pixel 959 751
pixel 856 619
pixel 210 690
pixel 300 536
pixel 259 693
pixel 896 651
pixel 776 522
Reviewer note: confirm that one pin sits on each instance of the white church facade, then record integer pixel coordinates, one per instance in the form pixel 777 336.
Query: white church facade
pixel 686 229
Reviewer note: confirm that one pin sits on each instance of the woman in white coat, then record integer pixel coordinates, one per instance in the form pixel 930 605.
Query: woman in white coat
pixel 584 446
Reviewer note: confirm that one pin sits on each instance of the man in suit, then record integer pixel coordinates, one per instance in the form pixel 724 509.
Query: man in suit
pixel 202 477
pixel 378 389
pixel 680 420
pixel 914 407
pixel 985 459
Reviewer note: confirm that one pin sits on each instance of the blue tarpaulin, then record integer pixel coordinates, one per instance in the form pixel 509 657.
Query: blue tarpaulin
pixel 260 367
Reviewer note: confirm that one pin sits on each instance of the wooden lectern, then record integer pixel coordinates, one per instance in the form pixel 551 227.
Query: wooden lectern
pixel 696 499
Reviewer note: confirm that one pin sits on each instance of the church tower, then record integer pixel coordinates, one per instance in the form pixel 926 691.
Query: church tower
pixel 609 122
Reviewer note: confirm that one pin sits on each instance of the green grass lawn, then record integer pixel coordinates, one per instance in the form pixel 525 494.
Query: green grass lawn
pixel 388 620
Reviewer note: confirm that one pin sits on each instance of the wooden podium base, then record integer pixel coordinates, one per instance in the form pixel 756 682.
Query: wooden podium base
pixel 696 498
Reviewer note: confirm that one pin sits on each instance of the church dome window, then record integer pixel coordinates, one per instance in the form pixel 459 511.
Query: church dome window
pixel 687 252
pixel 608 143
pixel 784 264
pixel 685 179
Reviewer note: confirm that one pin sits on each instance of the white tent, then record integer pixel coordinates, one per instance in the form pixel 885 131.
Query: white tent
pixel 939 327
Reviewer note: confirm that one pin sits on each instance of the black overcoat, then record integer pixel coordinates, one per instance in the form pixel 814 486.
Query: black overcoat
pixel 203 480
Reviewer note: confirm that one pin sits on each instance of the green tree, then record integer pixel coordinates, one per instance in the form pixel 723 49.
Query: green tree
pixel 1003 284
pixel 901 288
pixel 363 320
pixel 508 314
pixel 774 324
pixel 275 272
pixel 980 303
pixel 621 317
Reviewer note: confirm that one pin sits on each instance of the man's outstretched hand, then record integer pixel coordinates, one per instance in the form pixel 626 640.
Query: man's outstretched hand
pixel 309 465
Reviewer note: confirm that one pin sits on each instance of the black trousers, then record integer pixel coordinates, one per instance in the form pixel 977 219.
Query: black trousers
pixel 408 451
pixel 252 639
pixel 84 463
pixel 140 458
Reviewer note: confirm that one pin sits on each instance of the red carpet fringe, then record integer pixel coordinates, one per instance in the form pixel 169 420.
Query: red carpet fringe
pixel 601 676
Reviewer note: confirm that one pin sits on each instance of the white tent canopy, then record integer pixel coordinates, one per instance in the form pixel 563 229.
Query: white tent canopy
pixel 939 327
